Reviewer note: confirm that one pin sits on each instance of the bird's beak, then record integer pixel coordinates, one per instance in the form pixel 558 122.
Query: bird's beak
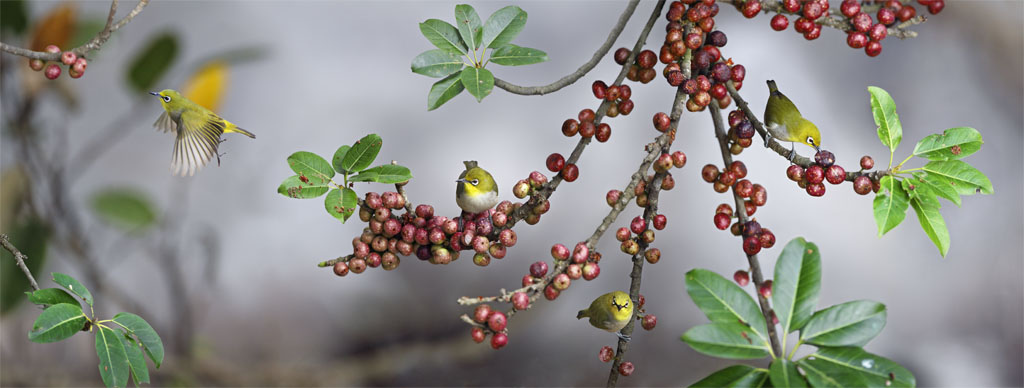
pixel 816 148
pixel 463 180
pixel 154 93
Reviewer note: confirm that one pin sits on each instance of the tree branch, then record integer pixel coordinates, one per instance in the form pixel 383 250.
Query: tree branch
pixel 20 259
pixel 837 20
pixel 755 266
pixel 92 45
pixel 613 35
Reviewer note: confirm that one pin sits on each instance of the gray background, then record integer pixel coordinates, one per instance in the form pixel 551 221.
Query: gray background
pixel 338 70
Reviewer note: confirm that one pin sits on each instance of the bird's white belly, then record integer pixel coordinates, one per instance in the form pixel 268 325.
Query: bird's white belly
pixel 478 203
pixel 778 131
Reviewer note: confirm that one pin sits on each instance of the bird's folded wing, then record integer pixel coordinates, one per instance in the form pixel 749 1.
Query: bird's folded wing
pixel 195 144
pixel 165 124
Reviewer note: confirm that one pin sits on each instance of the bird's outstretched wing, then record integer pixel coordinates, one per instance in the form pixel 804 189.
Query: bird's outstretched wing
pixel 196 143
pixel 165 124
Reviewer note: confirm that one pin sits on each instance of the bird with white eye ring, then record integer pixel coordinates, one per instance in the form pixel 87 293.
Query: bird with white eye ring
pixel 476 191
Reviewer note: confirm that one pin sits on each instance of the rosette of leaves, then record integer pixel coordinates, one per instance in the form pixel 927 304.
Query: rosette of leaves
pixel 460 59
pixel 738 330
pixel 315 175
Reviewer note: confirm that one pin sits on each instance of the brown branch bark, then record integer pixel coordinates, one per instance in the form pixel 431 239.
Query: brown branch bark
pixel 92 45
pixel 20 259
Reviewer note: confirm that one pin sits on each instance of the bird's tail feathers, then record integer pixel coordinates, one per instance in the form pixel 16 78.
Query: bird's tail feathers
pixel 242 131
pixel 582 314
pixel 470 164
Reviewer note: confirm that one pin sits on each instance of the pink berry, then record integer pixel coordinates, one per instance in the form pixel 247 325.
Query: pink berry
pixel 561 282
pixel 741 277
pixel 649 321
pixel 52 71
pixel 341 268
pixel 638 225
pixel 856 39
pixel 626 368
pixel 481 313
pixel 878 32
pixel 53 49
pixel 606 354
pixel 835 174
pixel 659 221
pixel 478 334
pixel 873 48
pixel 497 321
pixel 499 340
pixel 559 252
pixel 591 271
pixel 68 58
pixel 580 253
pixel 722 221
pixel 520 301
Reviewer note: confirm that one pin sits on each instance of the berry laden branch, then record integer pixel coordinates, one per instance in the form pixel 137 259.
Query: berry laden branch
pixel 844 20
pixel 92 45
pixel 613 35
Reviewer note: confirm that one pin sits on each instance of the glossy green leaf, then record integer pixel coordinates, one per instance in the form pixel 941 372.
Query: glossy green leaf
pixel 437 63
pixel 736 376
pixel 390 173
pixel 57 322
pixel 961 174
pixel 851 323
pixel 136 361
pixel 479 82
pixel 853 367
pixel 52 296
pixel 469 25
pixel 363 152
pixel 512 55
pixel 114 367
pixel 796 284
pixel 341 203
pixel 29 236
pixel 783 373
pixel 125 208
pixel 294 187
pixel 726 340
pixel 72 284
pixel 144 332
pixel 915 190
pixel 444 90
pixel 890 130
pixel 939 186
pixel 311 166
pixel 13 16
pixel 503 26
pixel 952 144
pixel 927 209
pixel 723 301
pixel 367 175
pixel 339 156
pixel 890 205
pixel 152 62
pixel 443 35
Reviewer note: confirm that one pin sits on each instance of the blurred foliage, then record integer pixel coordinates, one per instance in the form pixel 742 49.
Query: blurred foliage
pixel 13 16
pixel 152 62
pixel 207 85
pixel 56 27
pixel 124 208
pixel 30 238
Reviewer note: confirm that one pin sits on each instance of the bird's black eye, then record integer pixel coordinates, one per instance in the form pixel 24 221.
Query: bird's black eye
pixel 166 98
pixel 810 140
pixel 474 182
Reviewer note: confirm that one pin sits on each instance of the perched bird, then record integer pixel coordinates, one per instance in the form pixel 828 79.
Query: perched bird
pixel 476 190
pixel 785 123
pixel 610 312
pixel 198 131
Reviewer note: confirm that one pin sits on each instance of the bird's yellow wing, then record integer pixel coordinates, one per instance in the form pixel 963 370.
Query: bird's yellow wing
pixel 165 124
pixel 197 141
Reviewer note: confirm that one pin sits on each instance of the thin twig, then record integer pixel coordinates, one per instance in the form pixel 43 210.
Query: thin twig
pixel 20 259
pixel 741 213
pixel 613 35
pixel 92 45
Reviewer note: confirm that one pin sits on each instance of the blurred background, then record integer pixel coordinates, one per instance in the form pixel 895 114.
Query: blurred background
pixel 225 267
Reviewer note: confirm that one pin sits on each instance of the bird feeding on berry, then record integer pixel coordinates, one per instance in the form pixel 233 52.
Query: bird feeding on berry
pixel 785 123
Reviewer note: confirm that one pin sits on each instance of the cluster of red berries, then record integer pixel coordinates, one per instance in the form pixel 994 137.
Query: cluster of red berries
pixel 436 239
pixel 741 132
pixel 582 263
pixel 618 96
pixel 824 169
pixel 642 68
pixel 742 278
pixel 76 65
pixel 733 176
pixel 535 181
pixel 586 127
pixel 492 322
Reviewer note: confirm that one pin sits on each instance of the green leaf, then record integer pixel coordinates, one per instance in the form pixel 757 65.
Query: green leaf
pixel 366 176
pixel 915 190
pixel 444 90
pixel 71 284
pixel 341 203
pixel 145 333
pixel 29 236
pixel 52 297
pixel 136 361
pixel 783 373
pixel 390 173
pixel 363 153
pixel 796 285
pixel 890 130
pixel 339 156
pixel 939 186
pixel 853 367
pixel 960 175
pixel 443 35
pixel 726 340
pixel 57 322
pixel 152 62
pixel 468 23
pixel 890 205
pixel 294 187
pixel 437 63
pixel 113 359
pixel 512 55
pixel 734 376
pixel 503 25
pixel 845 324
pixel 927 209
pixel 478 82
pixel 85 30
pixel 723 301
pixel 124 208
pixel 952 144
pixel 14 16
pixel 311 166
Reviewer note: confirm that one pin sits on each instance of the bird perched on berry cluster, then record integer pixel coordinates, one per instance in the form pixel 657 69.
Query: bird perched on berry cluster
pixel 783 121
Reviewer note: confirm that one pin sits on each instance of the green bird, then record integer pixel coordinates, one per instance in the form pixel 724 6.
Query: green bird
pixel 784 122
pixel 198 131
pixel 476 191
pixel 609 312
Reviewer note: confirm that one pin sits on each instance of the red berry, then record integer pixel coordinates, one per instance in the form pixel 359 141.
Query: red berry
pixel 580 253
pixel 873 49
pixel 749 207
pixel 824 158
pixel 625 92
pixel 709 173
pixel 555 162
pixel 499 340
pixel 626 368
pixel 647 59
pixel 561 282
pixel 722 221
pixel 866 163
pixel 751 228
pixel 703 83
pixel 341 268
pixel 727 178
pixel 659 221
pixel 612 197
pixel 739 73
pixel 717 38
pixel 649 321
pixel 591 271
pixel 661 121
pixel 520 301
pixel 653 255
pixel 816 189
pixel 751 8
pixel 743 188
pixel 886 16
pixel 862 185
pixel 906 13
pixel 849 8
pixel 570 172
pixel 570 127
pixel 724 208
pixel 497 320
pixel 813 33
pixel 803 25
pixel 856 39
pixel 766 289
pixel 604 131
pixel 478 334
pixel 538 269
pixel 600 89
pixel 741 277
pixel 52 71
pixel 814 174
pixel 53 49
pixel 621 55
pixel 675 78
pixel 758 195
pixel 813 10
pixel 559 252
pixel 613 93
pixel 588 129
pixel 622 234
pixel 640 300
pixel 861 22
pixel 795 173
pixel 936 6
pixel 606 354
pixel 877 32
pixel 738 169
pixel 767 238
pixel 835 174
pixel 481 313
pixel 586 115
pixel 550 293
pixel 74 74
pixel 791 5
pixel 638 225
